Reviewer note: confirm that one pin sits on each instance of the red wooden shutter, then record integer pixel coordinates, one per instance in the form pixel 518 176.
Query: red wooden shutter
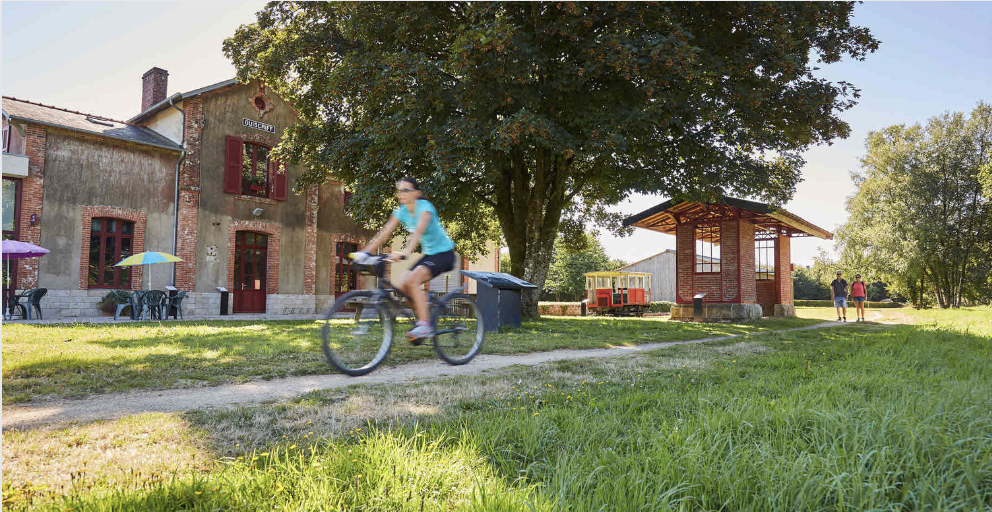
pixel 233 151
pixel 280 180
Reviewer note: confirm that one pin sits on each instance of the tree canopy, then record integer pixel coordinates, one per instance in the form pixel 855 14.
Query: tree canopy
pixel 538 117
pixel 919 217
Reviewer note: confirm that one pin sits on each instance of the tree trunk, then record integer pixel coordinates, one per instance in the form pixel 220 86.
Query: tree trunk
pixel 530 198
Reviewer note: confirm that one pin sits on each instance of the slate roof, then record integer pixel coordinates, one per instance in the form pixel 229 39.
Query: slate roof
pixel 86 123
pixel 662 218
pixel 177 97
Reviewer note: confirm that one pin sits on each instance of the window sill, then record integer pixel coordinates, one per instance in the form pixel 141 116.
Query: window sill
pixel 714 273
pixel 254 199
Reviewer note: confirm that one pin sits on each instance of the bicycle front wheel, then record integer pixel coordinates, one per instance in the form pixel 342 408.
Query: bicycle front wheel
pixel 357 333
pixel 459 329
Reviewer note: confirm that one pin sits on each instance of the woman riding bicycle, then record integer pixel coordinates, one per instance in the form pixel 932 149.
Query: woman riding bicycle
pixel 419 217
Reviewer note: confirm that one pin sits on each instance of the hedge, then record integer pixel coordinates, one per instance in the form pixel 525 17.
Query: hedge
pixel 661 307
pixel 850 304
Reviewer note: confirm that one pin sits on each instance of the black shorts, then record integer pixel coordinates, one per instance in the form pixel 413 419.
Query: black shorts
pixel 437 263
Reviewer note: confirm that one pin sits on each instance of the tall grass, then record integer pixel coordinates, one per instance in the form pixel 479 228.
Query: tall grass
pixel 852 418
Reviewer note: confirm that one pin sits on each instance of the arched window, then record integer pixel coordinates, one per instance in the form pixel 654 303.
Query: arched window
pixel 111 240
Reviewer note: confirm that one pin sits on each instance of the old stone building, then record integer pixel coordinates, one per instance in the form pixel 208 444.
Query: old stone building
pixel 189 175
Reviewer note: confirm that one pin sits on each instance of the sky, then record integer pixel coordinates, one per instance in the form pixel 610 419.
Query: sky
pixel 89 56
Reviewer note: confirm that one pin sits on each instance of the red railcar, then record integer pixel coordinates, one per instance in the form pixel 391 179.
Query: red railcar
pixel 618 293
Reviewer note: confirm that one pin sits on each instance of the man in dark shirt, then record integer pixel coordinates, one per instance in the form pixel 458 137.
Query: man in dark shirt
pixel 838 292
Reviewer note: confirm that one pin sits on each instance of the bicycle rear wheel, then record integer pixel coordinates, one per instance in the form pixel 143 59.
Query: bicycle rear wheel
pixel 459 329
pixel 357 333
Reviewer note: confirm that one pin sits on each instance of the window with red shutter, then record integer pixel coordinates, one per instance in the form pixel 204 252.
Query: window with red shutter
pixel 280 181
pixel 233 149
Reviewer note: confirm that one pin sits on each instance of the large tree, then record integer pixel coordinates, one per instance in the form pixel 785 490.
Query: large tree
pixel 541 116
pixel 919 217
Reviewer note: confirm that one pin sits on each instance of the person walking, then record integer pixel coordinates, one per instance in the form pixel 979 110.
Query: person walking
pixel 838 293
pixel 859 294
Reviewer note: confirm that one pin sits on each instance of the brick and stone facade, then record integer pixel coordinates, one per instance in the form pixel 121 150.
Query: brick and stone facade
pixel 166 170
pixel 32 194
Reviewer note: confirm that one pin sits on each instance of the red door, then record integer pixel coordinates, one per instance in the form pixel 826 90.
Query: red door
pixel 249 271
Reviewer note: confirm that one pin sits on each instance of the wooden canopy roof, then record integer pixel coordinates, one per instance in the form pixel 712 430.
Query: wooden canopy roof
pixel 664 217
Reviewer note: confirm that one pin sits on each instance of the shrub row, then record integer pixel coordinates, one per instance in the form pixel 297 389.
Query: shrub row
pixel 661 307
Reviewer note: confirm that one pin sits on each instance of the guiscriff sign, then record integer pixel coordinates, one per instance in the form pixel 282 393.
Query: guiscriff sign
pixel 257 125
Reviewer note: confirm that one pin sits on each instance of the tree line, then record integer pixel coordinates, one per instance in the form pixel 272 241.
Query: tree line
pixel 921 219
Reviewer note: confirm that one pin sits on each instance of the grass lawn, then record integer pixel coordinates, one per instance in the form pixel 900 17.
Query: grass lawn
pixel 859 417
pixel 71 360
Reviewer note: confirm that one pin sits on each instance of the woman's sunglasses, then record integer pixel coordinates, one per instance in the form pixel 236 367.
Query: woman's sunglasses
pixel 405 189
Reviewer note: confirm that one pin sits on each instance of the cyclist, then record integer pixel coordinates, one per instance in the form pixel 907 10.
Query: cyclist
pixel 419 217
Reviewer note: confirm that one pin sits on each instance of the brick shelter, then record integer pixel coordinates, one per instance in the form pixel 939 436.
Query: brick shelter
pixel 735 252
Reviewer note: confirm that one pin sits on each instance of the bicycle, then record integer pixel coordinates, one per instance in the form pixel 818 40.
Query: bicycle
pixel 358 331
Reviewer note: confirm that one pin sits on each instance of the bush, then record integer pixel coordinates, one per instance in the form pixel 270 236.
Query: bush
pixel 661 307
pixel 555 308
pixel 109 302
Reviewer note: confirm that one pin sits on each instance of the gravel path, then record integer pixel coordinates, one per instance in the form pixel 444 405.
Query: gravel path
pixel 114 405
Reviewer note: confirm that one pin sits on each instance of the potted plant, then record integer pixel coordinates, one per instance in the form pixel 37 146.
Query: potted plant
pixel 108 304
pixel 256 183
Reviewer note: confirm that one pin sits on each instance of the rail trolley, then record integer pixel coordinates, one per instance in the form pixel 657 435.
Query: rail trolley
pixel 618 293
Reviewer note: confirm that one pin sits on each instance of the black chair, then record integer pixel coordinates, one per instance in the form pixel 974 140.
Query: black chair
pixel 174 305
pixel 34 302
pixel 15 303
pixel 136 304
pixel 152 302
pixel 121 305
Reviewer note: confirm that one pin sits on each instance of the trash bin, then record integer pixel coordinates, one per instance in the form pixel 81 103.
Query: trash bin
pixel 172 291
pixel 583 306
pixel 498 296
pixel 224 300
pixel 697 307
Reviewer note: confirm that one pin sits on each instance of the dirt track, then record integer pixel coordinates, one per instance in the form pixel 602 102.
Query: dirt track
pixel 108 406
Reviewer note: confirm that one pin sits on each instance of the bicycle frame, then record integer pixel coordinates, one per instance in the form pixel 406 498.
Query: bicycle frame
pixel 385 290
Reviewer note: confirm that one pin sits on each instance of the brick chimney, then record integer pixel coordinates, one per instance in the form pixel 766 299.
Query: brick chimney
pixel 154 84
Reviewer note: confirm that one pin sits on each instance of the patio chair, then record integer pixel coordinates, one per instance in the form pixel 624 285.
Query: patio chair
pixel 152 301
pixel 122 305
pixel 177 303
pixel 136 304
pixel 34 302
pixel 15 303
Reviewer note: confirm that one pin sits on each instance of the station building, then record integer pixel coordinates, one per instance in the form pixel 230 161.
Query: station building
pixel 190 174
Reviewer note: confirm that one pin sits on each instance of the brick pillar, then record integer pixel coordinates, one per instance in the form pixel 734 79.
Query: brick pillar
pixel 310 247
pixel 749 288
pixel 783 269
pixel 684 264
pixel 189 197
pixel 32 192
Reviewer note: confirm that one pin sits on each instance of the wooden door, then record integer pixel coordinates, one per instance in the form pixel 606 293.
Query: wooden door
pixel 345 273
pixel 250 251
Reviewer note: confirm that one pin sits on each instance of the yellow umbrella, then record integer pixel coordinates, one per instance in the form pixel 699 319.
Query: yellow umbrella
pixel 148 258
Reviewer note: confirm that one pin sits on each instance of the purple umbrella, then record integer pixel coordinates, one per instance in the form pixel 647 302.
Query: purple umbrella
pixel 13 250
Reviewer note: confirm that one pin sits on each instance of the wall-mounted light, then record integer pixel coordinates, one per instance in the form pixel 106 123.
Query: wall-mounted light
pixel 34 218
pixel 257 212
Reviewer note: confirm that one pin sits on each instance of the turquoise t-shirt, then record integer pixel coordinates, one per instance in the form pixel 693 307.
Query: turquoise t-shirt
pixel 434 240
